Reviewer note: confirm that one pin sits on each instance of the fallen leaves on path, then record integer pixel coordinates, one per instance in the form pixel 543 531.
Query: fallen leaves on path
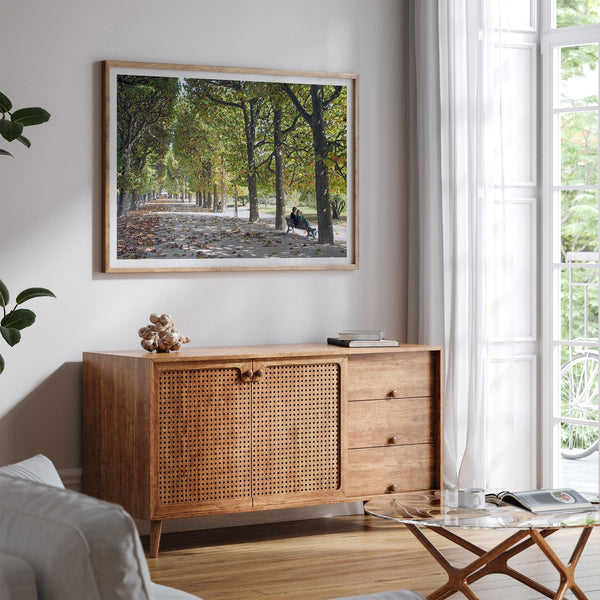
pixel 172 231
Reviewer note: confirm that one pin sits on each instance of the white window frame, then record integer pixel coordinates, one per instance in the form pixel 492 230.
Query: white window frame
pixel 551 38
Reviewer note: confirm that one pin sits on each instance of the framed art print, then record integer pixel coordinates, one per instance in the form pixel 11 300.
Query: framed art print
pixel 219 168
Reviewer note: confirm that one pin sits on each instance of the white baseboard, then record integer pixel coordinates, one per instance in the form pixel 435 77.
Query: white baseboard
pixel 71 478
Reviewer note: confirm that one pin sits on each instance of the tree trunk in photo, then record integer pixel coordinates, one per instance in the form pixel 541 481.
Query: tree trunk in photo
pixel 253 198
pixel 321 149
pixel 235 202
pixel 215 196
pixel 125 204
pixel 223 190
pixel 235 94
pixel 324 214
pixel 250 112
pixel 120 203
pixel 126 181
pixel 279 180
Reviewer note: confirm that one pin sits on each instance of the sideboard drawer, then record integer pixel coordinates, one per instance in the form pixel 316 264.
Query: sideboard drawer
pixel 373 471
pixel 390 422
pixel 374 377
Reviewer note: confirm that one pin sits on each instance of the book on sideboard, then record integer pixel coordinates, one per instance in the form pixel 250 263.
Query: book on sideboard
pixel 362 343
pixel 362 334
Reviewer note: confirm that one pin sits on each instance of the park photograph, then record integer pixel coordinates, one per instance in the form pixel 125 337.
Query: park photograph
pixel 216 168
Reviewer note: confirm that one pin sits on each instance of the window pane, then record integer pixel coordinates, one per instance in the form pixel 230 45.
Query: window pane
pixel 517 14
pixel 579 75
pixel 579 396
pixel 579 148
pixel 579 305
pixel 579 224
pixel 577 12
pixel 580 474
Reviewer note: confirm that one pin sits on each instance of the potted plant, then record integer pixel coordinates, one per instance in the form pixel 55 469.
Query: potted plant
pixel 12 123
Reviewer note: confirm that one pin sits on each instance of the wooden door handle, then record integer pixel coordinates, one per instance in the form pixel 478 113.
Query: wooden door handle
pixel 258 374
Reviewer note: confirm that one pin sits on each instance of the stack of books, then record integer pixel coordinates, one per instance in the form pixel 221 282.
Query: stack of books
pixel 361 338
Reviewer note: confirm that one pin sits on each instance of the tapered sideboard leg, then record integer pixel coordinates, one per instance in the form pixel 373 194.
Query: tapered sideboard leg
pixel 155 531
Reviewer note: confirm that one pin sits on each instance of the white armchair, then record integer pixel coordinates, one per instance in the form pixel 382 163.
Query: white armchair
pixel 58 544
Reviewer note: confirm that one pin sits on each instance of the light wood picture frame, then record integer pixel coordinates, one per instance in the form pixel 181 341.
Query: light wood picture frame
pixel 203 165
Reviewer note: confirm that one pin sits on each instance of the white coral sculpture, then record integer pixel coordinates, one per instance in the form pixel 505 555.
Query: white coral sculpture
pixel 161 335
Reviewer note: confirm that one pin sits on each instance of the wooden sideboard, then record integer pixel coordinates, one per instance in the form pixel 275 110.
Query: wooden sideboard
pixel 208 431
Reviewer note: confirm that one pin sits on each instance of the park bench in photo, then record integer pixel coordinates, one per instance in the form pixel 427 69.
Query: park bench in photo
pixel 310 231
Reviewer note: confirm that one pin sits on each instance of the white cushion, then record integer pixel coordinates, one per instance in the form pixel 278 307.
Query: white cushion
pixel 37 468
pixel 17 579
pixel 78 546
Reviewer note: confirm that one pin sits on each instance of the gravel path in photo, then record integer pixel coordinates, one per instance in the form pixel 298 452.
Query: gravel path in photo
pixel 178 230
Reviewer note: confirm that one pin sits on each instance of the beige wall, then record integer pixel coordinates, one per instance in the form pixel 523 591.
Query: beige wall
pixel 50 204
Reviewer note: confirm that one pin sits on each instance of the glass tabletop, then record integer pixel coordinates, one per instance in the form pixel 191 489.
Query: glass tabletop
pixel 438 508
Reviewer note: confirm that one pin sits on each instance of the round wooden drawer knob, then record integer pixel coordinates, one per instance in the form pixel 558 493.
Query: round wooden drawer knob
pixel 393 394
pixel 259 373
pixel 393 440
pixel 248 374
pixel 392 489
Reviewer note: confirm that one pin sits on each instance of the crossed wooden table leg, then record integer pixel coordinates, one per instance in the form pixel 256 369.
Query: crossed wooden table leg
pixel 496 559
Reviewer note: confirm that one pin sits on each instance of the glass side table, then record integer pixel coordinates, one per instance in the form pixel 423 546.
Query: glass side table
pixel 437 511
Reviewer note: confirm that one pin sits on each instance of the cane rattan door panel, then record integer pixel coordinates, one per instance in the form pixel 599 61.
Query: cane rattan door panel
pixel 204 436
pixel 296 429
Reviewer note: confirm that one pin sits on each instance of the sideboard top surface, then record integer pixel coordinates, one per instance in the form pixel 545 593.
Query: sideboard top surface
pixel 246 352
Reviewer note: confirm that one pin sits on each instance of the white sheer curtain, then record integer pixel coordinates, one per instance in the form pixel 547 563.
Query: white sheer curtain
pixel 455 172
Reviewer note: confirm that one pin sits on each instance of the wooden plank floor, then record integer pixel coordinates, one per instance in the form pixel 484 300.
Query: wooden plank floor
pixel 328 558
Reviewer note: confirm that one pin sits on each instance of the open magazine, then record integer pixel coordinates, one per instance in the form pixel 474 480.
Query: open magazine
pixel 540 501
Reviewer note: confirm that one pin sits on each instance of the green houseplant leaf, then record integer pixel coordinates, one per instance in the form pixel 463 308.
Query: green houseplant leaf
pixel 19 319
pixel 34 292
pixel 33 115
pixel 13 321
pixel 4 295
pixel 13 123
pixel 24 141
pixel 5 103
pixel 11 335
pixel 10 130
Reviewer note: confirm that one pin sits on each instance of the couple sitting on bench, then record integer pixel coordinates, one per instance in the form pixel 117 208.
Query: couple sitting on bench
pixel 298 221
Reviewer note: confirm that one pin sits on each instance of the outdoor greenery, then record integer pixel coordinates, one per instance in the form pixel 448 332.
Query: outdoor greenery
pixel 579 207
pixel 230 142
pixel 579 227
pixel 577 12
